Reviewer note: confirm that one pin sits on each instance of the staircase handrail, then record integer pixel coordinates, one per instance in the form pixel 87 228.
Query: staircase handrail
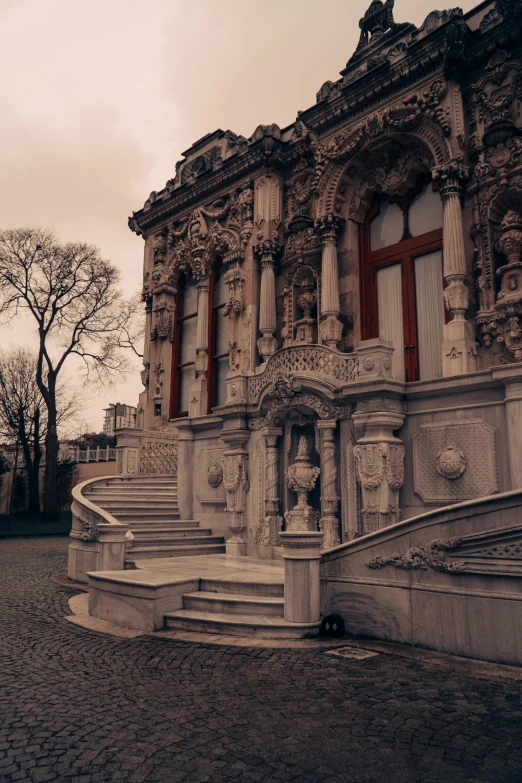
pixel 90 522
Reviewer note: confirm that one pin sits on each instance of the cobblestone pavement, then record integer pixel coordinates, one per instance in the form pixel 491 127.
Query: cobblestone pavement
pixel 85 707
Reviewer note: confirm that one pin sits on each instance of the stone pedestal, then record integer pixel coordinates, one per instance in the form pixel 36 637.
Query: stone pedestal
pixel 379 458
pixel 112 540
pixel 302 553
pixel 235 480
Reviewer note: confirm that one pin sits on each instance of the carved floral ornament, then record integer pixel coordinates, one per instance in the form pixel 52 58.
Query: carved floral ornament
pixel 451 463
pixel 422 108
pixel 215 475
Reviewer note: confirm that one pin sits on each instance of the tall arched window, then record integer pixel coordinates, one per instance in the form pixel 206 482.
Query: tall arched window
pixel 184 357
pixel 402 280
pixel 218 338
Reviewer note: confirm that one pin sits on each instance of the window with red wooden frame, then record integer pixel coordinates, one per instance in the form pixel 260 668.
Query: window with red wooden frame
pixel 184 347
pixel 402 280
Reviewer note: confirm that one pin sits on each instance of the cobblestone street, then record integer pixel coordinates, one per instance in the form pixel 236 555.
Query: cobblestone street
pixel 85 707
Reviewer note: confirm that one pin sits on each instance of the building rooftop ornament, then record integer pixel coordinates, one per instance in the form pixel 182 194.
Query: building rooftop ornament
pixel 377 20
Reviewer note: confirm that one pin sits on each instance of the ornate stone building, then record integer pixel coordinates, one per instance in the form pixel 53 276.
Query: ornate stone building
pixel 334 309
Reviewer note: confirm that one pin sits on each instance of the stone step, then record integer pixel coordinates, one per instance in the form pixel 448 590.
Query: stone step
pixel 193 537
pixel 163 525
pixel 138 482
pixel 238 625
pixel 144 531
pixel 194 550
pixel 228 603
pixel 144 516
pixel 128 505
pixel 240 587
pixel 126 492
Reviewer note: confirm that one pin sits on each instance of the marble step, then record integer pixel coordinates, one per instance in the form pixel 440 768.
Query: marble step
pixel 194 536
pixel 228 603
pixel 179 550
pixel 238 625
pixel 109 494
pixel 240 587
pixel 144 516
pixel 155 529
pixel 137 482
pixel 163 525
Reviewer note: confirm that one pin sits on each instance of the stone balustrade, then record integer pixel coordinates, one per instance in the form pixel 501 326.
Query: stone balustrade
pixel 98 540
pixel 146 452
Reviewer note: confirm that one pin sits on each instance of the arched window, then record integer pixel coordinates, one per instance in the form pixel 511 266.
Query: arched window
pixel 218 338
pixel 402 281
pixel 184 357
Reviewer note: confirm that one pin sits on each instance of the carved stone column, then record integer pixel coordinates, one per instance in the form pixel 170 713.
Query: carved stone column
pixel 268 534
pixel 267 252
pixel 329 523
pixel 379 459
pixel 235 480
pixel 459 349
pixel 199 393
pixel 329 227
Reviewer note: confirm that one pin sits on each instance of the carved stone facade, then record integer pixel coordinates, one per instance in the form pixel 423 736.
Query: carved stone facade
pixel 423 123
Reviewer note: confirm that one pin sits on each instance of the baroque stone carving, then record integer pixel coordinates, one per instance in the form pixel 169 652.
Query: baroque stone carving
pixel 380 472
pixel 428 556
pixel 209 475
pixel 301 478
pixel 465 464
pixel 158 458
pixel 312 360
pixel 451 463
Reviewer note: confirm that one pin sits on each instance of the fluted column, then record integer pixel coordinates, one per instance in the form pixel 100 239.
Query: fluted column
pixel 329 227
pixel 329 522
pixel 199 393
pixel 459 349
pixel 267 253
pixel 268 534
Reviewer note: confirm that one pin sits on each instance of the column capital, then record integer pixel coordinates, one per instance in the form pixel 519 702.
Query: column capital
pixel 267 252
pixel 329 227
pixel 451 177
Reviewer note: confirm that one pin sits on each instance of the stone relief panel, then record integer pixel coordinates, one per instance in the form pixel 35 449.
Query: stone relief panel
pixel 453 462
pixel 159 458
pixel 209 476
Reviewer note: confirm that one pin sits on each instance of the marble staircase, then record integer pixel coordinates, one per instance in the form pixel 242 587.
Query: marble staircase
pixel 149 505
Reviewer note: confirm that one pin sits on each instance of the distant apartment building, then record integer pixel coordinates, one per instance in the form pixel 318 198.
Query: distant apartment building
pixel 117 416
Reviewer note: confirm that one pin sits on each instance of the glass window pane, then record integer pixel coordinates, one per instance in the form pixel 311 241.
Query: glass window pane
pixel 188 340
pixel 221 342
pixel 387 227
pixel 430 313
pixel 220 288
pixel 389 306
pixel 222 368
pixel 186 377
pixel 425 211
pixel 189 298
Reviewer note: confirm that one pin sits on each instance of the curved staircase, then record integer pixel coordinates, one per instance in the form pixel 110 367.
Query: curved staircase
pixel 149 505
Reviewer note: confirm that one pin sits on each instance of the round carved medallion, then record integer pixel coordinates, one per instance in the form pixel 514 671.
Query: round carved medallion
pixel 215 475
pixel 451 463
pixel 369 363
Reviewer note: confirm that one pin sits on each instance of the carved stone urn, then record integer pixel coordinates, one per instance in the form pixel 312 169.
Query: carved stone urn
pixel 301 477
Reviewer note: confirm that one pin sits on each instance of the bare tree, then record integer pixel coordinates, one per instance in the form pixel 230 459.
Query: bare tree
pixel 72 295
pixel 21 406
pixel 23 413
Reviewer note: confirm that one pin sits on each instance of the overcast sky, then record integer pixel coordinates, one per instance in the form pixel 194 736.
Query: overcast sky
pixel 98 98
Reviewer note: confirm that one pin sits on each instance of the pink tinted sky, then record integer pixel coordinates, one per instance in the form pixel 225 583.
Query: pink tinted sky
pixel 98 99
